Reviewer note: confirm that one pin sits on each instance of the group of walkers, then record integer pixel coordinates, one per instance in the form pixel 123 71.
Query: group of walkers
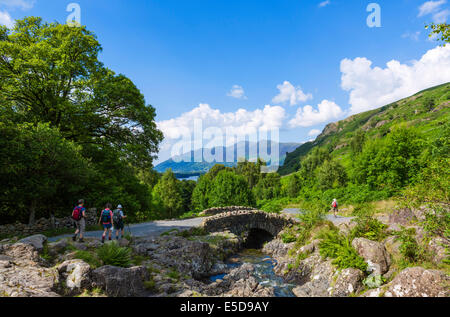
pixel 108 219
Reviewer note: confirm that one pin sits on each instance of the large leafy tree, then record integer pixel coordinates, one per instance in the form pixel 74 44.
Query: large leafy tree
pixel 39 171
pixel 229 189
pixel 168 194
pixel 51 73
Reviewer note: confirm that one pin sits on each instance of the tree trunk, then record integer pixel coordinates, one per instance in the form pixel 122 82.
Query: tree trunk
pixel 32 218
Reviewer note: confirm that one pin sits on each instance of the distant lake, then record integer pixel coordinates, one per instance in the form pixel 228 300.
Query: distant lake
pixel 190 178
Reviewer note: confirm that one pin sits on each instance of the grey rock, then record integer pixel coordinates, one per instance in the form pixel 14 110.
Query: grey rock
pixel 120 282
pixel 37 241
pixel 374 253
pixel 76 274
pixel 348 281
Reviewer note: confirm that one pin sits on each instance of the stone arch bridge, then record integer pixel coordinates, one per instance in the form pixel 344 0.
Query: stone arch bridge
pixel 242 222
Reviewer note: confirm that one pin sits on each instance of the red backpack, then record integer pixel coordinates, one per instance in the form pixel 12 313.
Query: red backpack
pixel 335 204
pixel 77 213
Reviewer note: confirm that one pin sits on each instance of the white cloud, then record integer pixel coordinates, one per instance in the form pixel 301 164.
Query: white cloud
pixel 373 87
pixel 308 116
pixel 291 94
pixel 237 92
pixel 412 35
pixel 5 19
pixel 434 8
pixel 324 3
pixel 242 122
pixel 21 4
pixel 314 132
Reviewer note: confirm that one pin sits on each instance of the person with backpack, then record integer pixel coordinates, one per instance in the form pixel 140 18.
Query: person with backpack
pixel 106 219
pixel 118 217
pixel 335 207
pixel 78 216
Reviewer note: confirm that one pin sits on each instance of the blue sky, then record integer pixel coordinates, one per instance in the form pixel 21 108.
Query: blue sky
pixel 187 55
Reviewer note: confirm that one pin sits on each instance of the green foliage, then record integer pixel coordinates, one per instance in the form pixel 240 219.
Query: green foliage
pixel 229 189
pixel 357 142
pixel 167 195
pixel 66 122
pixel 391 162
pixel 113 254
pixel 293 186
pixel 174 274
pixel 369 228
pixel 193 232
pixel 409 248
pixel 441 31
pixel 332 175
pixel 268 187
pixel 339 248
pixel 437 221
pixel 288 237
pixel 89 257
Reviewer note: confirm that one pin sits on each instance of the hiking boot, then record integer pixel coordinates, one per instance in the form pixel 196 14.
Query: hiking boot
pixel 109 239
pixel 117 238
pixel 81 240
pixel 74 238
pixel 103 239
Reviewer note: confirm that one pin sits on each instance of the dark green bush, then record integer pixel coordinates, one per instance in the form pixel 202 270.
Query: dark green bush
pixel 369 228
pixel 339 248
pixel 113 254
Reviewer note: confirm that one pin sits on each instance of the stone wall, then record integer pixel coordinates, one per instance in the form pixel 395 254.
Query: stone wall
pixel 44 224
pixel 219 210
pixel 242 221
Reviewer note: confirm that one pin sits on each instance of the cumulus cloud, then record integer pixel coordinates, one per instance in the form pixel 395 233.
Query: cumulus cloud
pixel 291 94
pixel 5 19
pixel 21 4
pixel 241 123
pixel 435 9
pixel 314 132
pixel 308 116
pixel 372 87
pixel 324 3
pixel 237 92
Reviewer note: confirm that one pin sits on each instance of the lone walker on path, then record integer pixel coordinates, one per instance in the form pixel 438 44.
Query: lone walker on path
pixel 118 217
pixel 335 207
pixel 78 216
pixel 106 219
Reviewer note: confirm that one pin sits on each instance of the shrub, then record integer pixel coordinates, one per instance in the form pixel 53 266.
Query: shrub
pixel 411 251
pixel 113 254
pixel 437 221
pixel 88 257
pixel 339 248
pixel 369 228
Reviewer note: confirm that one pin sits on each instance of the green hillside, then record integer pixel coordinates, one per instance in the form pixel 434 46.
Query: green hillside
pixel 427 110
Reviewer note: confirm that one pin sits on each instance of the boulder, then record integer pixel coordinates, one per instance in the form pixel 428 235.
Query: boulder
pixel 402 217
pixel 349 281
pixel 374 253
pixel 76 274
pixel 21 252
pixel 120 282
pixel 37 241
pixel 57 247
pixel 439 248
pixel 419 282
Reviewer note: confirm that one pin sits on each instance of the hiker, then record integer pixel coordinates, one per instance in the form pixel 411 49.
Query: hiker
pixel 78 216
pixel 106 219
pixel 118 217
pixel 335 207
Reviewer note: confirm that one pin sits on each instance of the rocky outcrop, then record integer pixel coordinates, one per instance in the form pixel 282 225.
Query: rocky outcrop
pixel 415 282
pixel 349 281
pixel 439 248
pixel 76 275
pixel 37 241
pixel 120 282
pixel 21 274
pixel 240 282
pixel 374 253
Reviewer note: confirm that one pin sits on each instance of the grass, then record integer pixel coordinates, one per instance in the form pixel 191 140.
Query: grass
pixel 90 258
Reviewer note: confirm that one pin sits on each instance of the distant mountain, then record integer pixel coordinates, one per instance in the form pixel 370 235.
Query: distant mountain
pixel 429 110
pixel 184 169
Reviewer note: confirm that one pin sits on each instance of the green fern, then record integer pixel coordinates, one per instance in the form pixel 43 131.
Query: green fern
pixel 113 254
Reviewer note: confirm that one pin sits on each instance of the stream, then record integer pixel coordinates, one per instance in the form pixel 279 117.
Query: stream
pixel 264 273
